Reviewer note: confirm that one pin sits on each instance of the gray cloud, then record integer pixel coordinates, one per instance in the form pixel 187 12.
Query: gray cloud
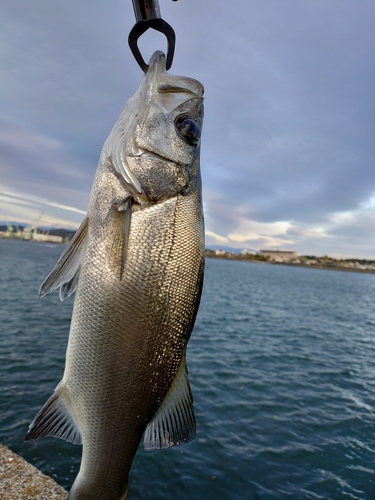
pixel 288 133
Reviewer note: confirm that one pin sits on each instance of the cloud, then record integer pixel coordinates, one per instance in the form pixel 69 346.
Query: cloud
pixel 34 200
pixel 287 146
pixel 22 208
pixel 216 237
pixel 41 169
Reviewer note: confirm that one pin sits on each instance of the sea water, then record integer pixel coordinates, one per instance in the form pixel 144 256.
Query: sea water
pixel 282 367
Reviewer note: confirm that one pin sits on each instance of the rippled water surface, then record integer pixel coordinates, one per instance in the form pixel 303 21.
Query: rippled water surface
pixel 282 367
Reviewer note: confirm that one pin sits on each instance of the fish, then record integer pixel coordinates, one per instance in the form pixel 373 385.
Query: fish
pixel 136 265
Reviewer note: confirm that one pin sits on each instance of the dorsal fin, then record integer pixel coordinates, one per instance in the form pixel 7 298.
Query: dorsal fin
pixel 67 266
pixel 174 423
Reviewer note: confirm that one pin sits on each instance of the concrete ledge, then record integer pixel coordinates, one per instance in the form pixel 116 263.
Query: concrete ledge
pixel 20 480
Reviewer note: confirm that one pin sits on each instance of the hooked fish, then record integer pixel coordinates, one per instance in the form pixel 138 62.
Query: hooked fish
pixel 136 264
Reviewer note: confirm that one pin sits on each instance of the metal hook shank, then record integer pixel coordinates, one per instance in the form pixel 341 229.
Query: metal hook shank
pixel 145 10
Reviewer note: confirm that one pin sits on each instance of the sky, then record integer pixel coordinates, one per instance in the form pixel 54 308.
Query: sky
pixel 288 140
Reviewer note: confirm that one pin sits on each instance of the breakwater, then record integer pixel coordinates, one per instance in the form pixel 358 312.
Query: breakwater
pixel 20 480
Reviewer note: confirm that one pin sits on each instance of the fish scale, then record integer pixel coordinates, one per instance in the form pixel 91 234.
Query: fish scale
pixel 136 264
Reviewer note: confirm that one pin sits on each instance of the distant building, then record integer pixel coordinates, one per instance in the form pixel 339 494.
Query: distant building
pixel 279 255
pixel 47 238
pixel 246 251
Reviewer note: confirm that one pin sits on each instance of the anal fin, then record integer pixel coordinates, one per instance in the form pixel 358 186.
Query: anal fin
pixel 55 420
pixel 174 422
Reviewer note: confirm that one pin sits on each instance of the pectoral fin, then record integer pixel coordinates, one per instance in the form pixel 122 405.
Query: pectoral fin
pixel 66 270
pixel 125 236
pixel 118 223
pixel 68 288
pixel 55 420
pixel 174 423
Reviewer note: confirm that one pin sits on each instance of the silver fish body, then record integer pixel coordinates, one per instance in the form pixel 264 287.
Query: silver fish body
pixel 136 264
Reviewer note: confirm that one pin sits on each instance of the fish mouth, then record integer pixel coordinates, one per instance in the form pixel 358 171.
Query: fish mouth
pixel 152 156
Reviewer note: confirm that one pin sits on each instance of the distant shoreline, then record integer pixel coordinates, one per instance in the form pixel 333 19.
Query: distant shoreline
pixel 329 266
pixel 326 263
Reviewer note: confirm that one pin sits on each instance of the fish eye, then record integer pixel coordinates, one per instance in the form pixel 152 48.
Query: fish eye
pixel 188 129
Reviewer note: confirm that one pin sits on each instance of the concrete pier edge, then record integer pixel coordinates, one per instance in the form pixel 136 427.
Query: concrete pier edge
pixel 20 480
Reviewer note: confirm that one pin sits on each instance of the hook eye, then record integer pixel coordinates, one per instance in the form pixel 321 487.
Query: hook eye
pixel 141 27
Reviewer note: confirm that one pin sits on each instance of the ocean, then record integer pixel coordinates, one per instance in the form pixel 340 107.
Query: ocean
pixel 282 367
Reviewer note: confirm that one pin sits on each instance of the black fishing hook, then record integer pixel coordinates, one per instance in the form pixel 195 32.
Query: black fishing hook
pixel 147 14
